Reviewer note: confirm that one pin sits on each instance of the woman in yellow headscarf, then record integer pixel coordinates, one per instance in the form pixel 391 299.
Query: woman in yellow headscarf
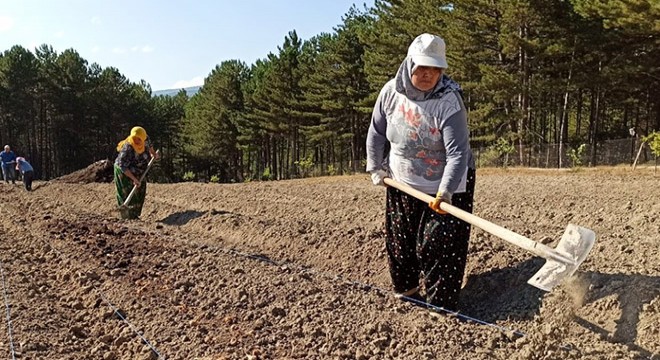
pixel 132 161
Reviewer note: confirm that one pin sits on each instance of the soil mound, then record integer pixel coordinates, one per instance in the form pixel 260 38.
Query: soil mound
pixel 98 172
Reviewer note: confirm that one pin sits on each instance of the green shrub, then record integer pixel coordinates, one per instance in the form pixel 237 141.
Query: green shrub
pixel 653 140
pixel 332 171
pixel 504 149
pixel 305 165
pixel 497 153
pixel 189 176
pixel 266 174
pixel 215 179
pixel 576 156
pixel 488 157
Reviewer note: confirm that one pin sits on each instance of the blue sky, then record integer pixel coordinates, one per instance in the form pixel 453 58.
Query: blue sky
pixel 169 44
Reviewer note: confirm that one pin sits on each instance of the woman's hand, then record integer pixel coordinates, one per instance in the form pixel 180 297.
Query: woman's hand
pixel 154 154
pixel 435 203
pixel 133 178
pixel 377 177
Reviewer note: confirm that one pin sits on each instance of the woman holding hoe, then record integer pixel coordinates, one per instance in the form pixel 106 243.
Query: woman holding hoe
pixel 421 116
pixel 132 162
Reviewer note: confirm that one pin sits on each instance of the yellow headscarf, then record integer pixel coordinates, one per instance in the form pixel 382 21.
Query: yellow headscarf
pixel 137 133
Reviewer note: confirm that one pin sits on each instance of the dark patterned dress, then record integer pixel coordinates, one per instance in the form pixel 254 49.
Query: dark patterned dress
pixel 137 164
pixel 422 241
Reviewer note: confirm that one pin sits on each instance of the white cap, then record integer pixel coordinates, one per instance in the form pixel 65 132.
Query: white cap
pixel 428 50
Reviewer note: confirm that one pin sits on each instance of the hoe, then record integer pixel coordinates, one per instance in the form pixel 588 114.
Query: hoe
pixel 562 262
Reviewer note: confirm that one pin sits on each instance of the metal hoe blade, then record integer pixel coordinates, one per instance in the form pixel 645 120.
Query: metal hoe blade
pixel 573 247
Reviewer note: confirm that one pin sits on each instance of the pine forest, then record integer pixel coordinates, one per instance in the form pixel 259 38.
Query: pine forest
pixel 575 73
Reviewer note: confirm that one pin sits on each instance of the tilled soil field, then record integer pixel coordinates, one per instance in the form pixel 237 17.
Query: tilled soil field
pixel 297 270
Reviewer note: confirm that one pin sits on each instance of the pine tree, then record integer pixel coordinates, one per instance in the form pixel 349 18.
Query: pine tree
pixel 335 80
pixel 211 127
pixel 394 25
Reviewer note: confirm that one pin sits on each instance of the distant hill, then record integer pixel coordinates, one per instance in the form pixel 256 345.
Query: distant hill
pixel 172 92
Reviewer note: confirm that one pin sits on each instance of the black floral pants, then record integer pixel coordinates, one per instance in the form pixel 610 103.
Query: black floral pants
pixel 423 243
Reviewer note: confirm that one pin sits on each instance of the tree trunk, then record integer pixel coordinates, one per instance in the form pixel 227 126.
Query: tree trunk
pixel 595 118
pixel 274 169
pixel 564 113
pixel 578 116
pixel 523 97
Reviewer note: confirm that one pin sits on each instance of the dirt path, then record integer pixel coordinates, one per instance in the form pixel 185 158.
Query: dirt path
pixel 297 270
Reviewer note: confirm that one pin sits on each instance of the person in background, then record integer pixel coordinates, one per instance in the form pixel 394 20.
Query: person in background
pixel 8 160
pixel 24 167
pixel 132 161
pixel 420 116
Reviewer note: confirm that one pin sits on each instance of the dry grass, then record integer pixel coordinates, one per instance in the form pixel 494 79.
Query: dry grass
pixel 609 170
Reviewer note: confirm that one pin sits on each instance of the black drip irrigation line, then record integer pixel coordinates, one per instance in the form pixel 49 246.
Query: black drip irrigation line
pixel 118 313
pixel 8 307
pixel 462 317
pixel 327 275
pixel 437 309
pixel 114 309
pixel 123 318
